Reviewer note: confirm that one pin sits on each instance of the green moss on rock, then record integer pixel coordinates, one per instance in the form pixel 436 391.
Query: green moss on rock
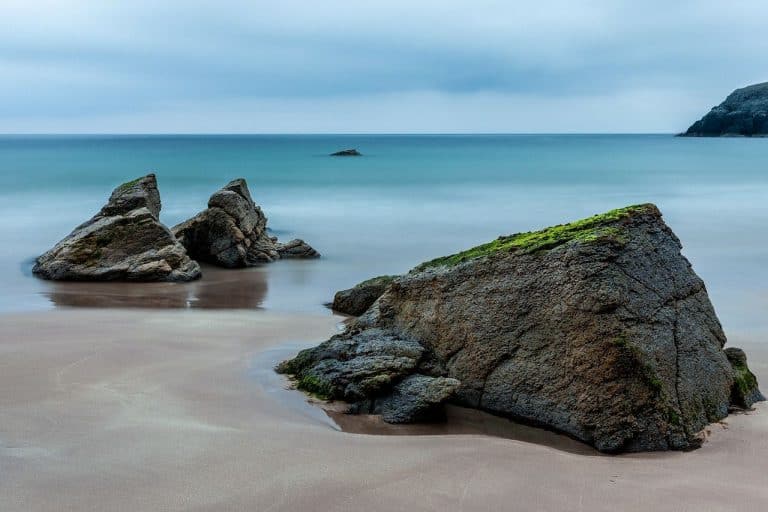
pixel 743 379
pixel 597 227
pixel 315 386
pixel 128 184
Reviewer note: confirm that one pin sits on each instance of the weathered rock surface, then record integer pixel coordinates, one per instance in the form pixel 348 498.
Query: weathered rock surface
pixel 744 392
pixel 354 368
pixel 347 152
pixel 599 329
pixel 743 113
pixel 418 398
pixel 296 248
pixel 356 300
pixel 232 232
pixel 124 241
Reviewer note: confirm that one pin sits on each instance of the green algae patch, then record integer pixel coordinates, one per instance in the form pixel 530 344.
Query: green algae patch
pixel 597 227
pixel 128 184
pixel 743 379
pixel 315 387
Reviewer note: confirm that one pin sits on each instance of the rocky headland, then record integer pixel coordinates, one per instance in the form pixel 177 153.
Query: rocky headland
pixel 125 241
pixel 743 113
pixel 599 329
pixel 232 232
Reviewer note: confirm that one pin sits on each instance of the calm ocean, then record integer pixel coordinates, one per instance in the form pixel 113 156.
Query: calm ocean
pixel 410 198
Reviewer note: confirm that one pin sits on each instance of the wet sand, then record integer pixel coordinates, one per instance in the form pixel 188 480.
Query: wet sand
pixel 217 289
pixel 169 410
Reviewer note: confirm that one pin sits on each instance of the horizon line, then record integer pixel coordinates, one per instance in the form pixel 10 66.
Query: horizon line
pixel 246 134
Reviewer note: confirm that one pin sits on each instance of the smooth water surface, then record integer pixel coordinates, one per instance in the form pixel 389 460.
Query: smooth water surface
pixel 408 199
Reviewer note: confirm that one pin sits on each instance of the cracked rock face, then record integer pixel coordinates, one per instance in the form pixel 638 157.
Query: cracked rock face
pixel 124 241
pixel 232 232
pixel 599 329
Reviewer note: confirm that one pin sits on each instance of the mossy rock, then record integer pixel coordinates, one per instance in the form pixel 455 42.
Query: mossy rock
pixel 591 229
pixel 744 392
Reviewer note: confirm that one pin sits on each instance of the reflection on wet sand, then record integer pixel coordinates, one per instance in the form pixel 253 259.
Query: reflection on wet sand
pixel 459 421
pixel 217 289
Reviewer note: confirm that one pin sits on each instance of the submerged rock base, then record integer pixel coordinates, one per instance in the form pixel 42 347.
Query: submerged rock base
pixel 598 329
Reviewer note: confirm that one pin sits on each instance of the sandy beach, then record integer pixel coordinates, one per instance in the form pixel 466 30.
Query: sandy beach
pixel 175 410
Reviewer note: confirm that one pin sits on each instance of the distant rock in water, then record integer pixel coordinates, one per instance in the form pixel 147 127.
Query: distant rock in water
pixel 232 232
pixel 356 300
pixel 598 329
pixel 347 152
pixel 743 113
pixel 124 241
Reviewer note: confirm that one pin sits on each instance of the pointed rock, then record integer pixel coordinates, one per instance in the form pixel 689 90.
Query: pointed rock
pixel 232 232
pixel 124 241
pixel 599 329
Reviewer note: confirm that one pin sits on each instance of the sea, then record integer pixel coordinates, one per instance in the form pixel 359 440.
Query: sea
pixel 408 199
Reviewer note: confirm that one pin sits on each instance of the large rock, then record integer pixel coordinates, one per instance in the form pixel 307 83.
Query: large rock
pixel 232 232
pixel 124 241
pixel 743 113
pixel 599 329
pixel 356 300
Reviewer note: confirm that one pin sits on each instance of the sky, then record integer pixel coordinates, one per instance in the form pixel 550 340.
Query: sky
pixel 369 66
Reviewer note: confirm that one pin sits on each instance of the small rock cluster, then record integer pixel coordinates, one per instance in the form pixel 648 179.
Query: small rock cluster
pixel 126 241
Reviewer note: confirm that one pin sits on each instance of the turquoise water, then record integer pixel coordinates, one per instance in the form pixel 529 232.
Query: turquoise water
pixel 410 198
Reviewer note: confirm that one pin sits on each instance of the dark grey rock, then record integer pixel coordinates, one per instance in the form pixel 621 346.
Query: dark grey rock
pixel 744 392
pixel 354 367
pixel 599 329
pixel 417 399
pixel 296 248
pixel 124 241
pixel 743 113
pixel 347 152
pixel 356 300
pixel 232 232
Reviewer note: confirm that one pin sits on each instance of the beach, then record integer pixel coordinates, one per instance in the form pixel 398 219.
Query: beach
pixel 161 396
pixel 177 410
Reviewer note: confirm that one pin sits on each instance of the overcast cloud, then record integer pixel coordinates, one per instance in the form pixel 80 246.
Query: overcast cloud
pixel 371 66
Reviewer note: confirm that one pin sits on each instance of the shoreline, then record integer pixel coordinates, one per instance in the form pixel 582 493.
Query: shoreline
pixel 160 410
